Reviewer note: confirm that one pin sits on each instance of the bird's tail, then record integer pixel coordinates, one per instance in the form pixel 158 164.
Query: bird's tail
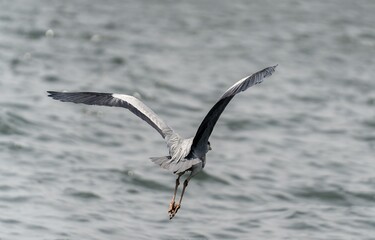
pixel 176 167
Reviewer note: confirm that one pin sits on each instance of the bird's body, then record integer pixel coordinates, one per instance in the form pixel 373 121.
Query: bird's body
pixel 185 155
pixel 177 161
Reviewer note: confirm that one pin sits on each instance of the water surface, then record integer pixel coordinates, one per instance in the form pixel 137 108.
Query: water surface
pixel 292 158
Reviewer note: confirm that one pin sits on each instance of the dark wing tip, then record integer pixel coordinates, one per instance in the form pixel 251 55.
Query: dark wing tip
pixel 249 81
pixel 89 98
pixel 274 67
pixel 57 95
pixel 269 70
pixel 259 76
pixel 51 93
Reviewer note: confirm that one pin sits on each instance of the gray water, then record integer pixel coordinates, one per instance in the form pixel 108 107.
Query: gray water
pixel 293 158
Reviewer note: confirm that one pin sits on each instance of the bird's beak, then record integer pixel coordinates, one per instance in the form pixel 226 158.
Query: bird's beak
pixel 209 148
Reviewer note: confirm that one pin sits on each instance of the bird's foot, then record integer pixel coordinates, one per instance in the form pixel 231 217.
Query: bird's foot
pixel 177 206
pixel 173 208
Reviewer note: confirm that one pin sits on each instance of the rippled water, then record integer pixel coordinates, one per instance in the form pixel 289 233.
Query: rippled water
pixel 293 158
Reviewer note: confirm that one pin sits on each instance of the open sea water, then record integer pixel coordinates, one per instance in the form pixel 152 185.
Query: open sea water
pixel 293 158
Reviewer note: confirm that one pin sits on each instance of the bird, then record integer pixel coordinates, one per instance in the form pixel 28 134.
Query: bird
pixel 186 155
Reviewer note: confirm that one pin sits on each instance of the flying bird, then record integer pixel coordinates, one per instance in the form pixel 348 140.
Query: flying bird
pixel 185 155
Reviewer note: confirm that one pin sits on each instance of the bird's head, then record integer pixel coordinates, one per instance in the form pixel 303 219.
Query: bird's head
pixel 209 146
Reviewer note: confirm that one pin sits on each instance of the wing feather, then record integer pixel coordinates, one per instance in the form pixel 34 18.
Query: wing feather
pixel 117 100
pixel 199 146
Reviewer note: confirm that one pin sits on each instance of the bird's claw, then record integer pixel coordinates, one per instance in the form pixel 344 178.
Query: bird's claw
pixel 173 208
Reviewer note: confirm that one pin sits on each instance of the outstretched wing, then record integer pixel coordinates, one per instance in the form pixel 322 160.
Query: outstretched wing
pixel 199 146
pixel 117 100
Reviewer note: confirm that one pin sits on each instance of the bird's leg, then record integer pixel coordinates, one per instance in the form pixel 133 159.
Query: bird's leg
pixel 178 205
pixel 172 204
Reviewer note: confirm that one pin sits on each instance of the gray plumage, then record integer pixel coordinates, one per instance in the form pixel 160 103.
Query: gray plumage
pixel 184 154
pixel 208 123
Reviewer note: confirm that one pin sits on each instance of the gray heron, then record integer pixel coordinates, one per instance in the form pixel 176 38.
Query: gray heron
pixel 185 155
